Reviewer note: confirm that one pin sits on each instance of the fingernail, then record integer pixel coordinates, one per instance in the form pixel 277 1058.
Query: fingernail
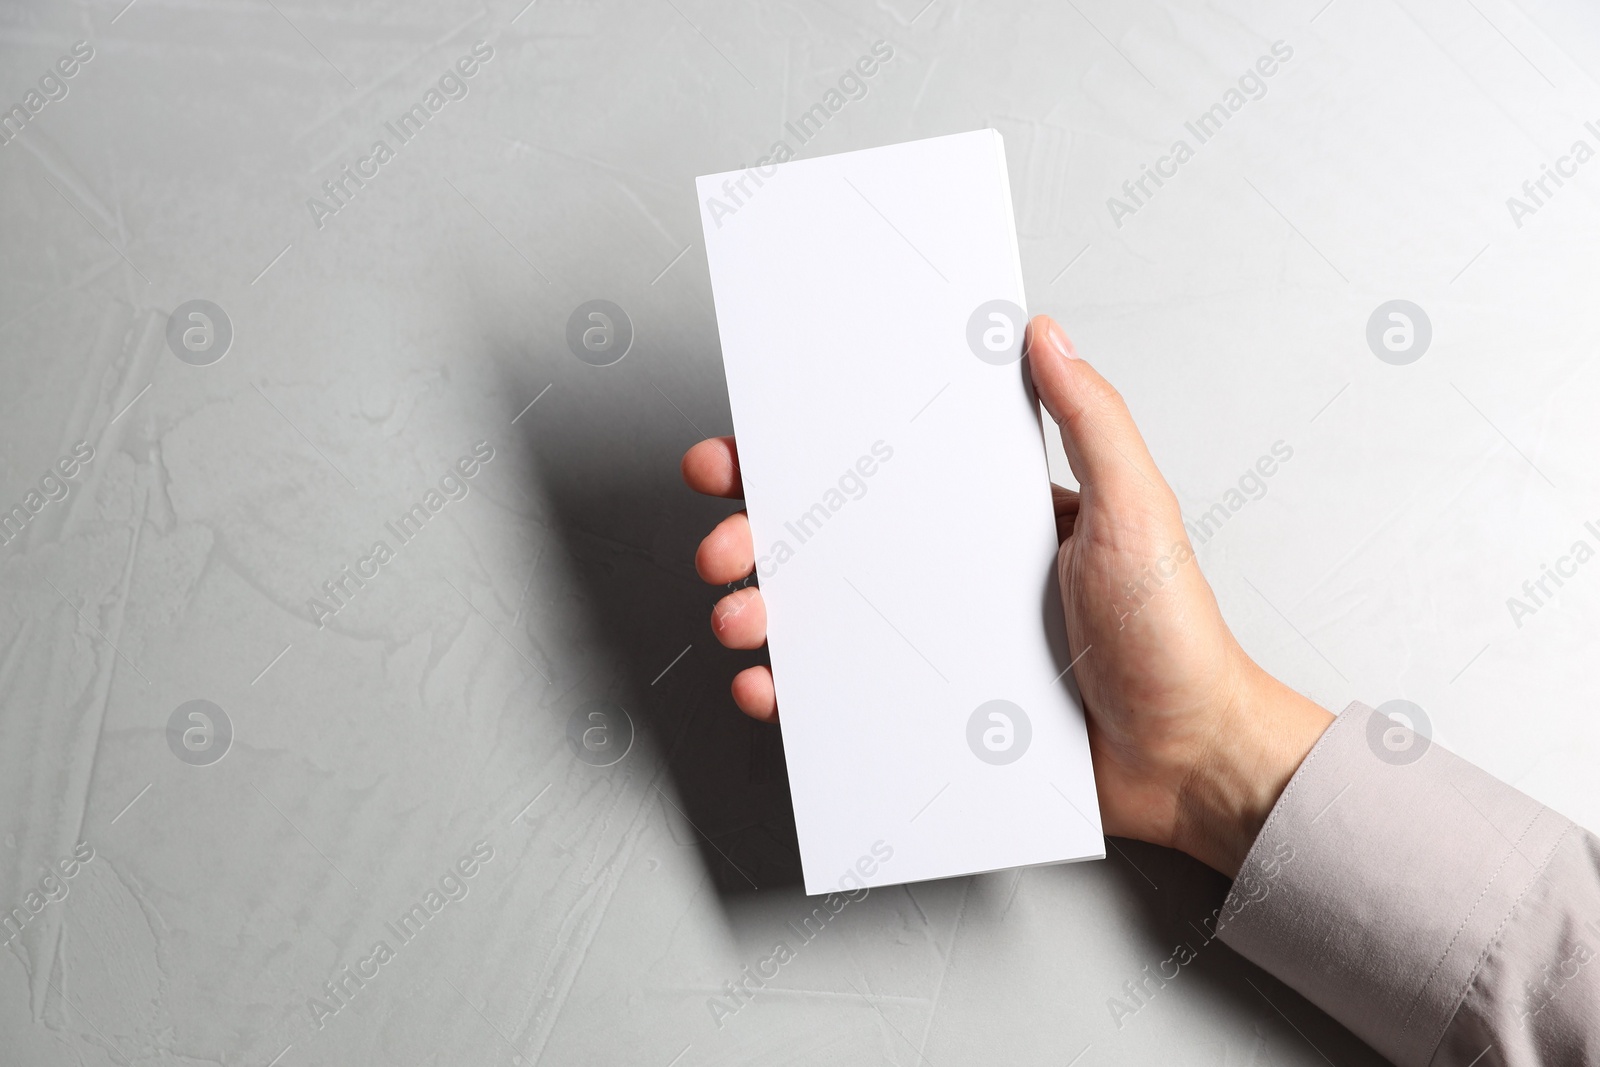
pixel 1059 341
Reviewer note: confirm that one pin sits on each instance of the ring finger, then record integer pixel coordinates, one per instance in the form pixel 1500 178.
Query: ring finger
pixel 740 619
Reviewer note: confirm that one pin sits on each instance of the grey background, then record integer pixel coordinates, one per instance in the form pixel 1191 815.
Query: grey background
pixel 433 711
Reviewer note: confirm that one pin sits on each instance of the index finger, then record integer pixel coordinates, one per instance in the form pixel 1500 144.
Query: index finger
pixel 712 467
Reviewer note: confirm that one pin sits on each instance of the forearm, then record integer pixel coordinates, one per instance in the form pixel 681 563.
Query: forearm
pixel 1435 911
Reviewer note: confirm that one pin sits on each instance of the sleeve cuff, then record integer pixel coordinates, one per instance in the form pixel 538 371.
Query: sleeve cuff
pixel 1383 876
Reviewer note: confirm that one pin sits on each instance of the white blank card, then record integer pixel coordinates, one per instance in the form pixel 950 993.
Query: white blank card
pixel 870 309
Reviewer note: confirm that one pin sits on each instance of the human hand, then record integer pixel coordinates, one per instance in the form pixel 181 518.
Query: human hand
pixel 1192 742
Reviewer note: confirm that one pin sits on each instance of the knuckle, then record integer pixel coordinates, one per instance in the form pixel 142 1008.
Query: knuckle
pixel 1103 396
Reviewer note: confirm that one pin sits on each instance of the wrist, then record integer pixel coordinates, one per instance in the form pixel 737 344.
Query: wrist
pixel 1261 736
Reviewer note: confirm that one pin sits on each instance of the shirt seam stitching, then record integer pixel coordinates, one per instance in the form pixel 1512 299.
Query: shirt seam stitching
pixel 1494 939
pixel 1466 920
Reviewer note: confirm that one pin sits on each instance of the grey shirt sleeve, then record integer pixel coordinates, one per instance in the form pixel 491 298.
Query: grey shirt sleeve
pixel 1439 914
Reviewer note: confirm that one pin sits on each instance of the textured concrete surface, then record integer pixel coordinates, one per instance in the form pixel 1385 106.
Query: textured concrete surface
pixel 516 730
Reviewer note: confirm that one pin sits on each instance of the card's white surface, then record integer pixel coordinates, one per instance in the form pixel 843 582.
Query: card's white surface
pixel 915 593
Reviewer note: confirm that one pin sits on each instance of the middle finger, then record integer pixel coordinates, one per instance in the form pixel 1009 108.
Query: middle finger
pixel 728 553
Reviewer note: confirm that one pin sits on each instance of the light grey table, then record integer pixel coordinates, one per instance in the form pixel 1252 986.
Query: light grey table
pixel 507 752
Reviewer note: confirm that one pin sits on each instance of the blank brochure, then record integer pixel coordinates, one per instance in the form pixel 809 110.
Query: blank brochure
pixel 870 306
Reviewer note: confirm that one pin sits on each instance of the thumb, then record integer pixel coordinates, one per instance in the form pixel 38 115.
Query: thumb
pixel 1107 453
